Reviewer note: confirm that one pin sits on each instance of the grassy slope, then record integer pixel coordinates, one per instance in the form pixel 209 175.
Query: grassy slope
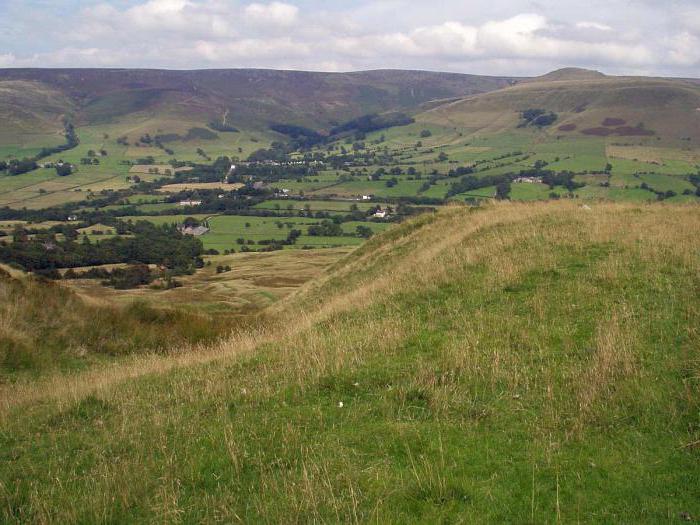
pixel 44 327
pixel 668 107
pixel 519 363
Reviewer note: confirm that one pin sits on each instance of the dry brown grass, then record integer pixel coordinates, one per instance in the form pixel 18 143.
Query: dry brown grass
pixel 256 280
pixel 162 168
pixel 651 154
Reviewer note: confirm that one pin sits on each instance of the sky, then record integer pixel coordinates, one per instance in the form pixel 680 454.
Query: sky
pixel 493 37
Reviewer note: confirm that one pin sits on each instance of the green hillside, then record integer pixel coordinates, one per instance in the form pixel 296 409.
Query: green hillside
pixel 47 327
pixel 515 363
pixel 587 104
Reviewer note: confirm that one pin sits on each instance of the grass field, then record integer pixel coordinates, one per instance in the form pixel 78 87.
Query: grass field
pixel 316 205
pixel 519 363
pixel 493 151
pixel 225 230
pixel 42 188
pixel 508 151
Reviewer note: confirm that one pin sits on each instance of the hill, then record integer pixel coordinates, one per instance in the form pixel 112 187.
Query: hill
pixel 32 113
pixel 569 73
pixel 586 103
pixel 511 363
pixel 244 98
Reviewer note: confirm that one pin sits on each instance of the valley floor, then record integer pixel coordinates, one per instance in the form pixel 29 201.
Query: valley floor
pixel 519 363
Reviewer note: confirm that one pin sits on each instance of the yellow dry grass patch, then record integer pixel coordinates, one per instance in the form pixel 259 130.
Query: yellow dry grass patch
pixel 475 120
pixel 103 228
pixel 11 225
pixel 174 188
pixel 651 154
pixel 256 280
pixel 161 168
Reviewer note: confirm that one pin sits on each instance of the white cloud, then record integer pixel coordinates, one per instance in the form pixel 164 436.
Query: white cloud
pixel 487 36
pixel 685 49
pixel 517 38
pixel 593 25
pixel 275 14
pixel 261 49
pixel 7 60
pixel 450 39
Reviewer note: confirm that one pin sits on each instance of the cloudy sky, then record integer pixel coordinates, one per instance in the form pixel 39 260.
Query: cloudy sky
pixel 502 37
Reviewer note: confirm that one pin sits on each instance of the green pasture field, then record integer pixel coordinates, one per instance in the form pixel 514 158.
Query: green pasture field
pixel 22 145
pixel 631 194
pixel 165 219
pixel 316 205
pixel 226 229
pixel 525 191
pixel 146 207
pixel 377 188
pixel 43 188
pixel 662 168
pixel 438 190
pixel 666 183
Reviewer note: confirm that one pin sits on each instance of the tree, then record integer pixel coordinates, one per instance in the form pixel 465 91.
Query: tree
pixel 502 190
pixel 64 169
pixel 364 231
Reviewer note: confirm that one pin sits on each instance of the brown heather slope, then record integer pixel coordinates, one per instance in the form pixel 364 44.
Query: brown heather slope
pixel 31 108
pixel 253 97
